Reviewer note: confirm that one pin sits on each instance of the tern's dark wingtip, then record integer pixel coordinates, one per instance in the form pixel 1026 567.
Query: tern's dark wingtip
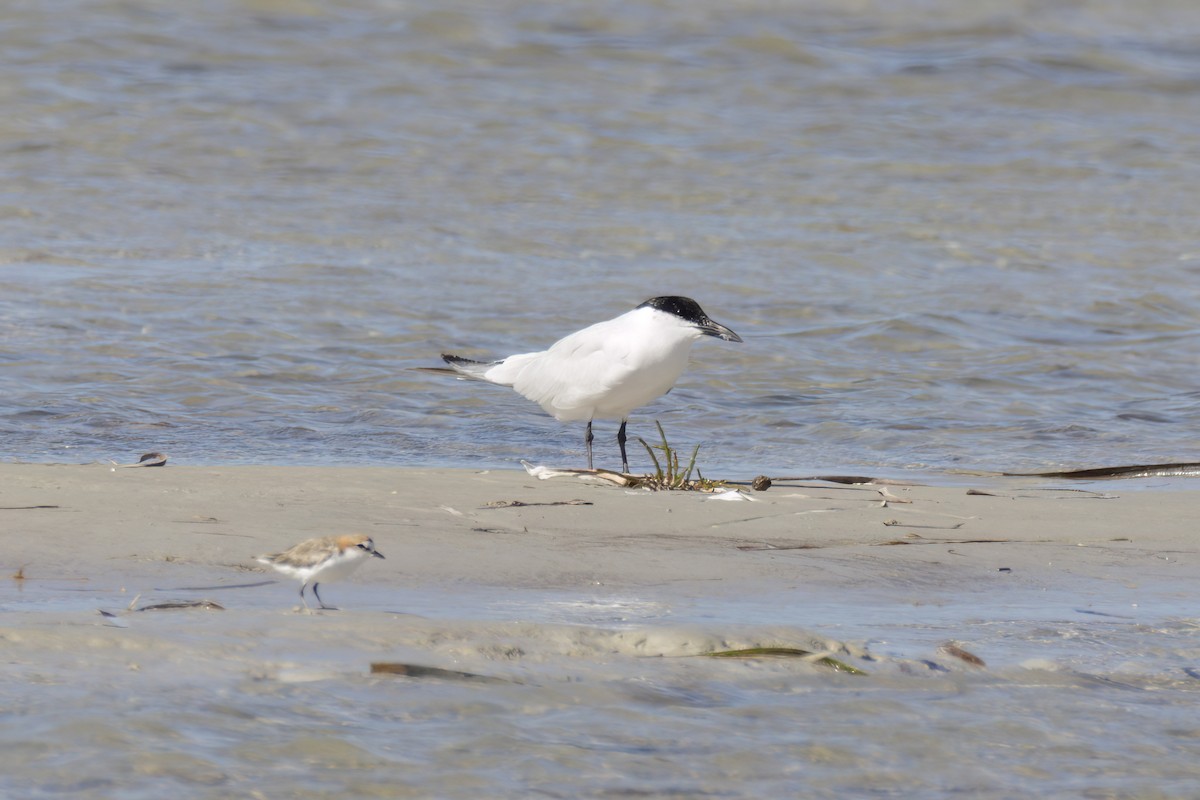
pixel 449 358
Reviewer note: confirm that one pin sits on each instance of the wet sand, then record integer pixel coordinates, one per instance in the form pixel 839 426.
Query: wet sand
pixel 466 548
pixel 152 526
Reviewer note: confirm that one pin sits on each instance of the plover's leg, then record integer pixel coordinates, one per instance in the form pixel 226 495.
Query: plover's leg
pixel 319 600
pixel 587 441
pixel 304 586
pixel 621 442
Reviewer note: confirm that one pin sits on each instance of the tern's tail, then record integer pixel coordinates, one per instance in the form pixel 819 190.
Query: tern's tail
pixel 469 367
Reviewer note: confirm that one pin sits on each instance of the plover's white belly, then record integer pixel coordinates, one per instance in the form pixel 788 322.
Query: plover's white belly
pixel 336 569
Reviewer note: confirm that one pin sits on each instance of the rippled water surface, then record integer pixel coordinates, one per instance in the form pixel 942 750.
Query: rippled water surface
pixel 1086 694
pixel 952 234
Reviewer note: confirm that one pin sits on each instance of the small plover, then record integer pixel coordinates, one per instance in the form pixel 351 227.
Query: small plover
pixel 316 561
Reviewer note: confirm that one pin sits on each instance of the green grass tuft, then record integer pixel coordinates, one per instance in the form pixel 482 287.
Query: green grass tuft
pixel 668 476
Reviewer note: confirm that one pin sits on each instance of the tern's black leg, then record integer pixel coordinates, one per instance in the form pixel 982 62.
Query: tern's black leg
pixel 319 600
pixel 621 442
pixel 587 441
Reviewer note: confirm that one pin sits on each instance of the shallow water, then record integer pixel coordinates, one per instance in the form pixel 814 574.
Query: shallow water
pixel 1085 694
pixel 953 235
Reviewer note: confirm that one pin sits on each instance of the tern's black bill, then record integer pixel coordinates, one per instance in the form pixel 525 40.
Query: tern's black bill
pixel 710 328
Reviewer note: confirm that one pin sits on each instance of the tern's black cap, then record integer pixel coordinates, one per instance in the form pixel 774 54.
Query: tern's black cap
pixel 683 307
pixel 690 311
